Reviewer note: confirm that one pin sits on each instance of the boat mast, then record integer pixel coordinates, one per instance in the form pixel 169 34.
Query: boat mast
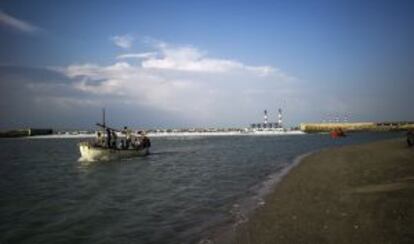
pixel 103 117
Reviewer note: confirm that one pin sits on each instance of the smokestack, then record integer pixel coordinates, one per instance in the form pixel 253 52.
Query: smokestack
pixel 265 117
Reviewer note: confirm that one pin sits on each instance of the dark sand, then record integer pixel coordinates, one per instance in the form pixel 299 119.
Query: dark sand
pixel 353 194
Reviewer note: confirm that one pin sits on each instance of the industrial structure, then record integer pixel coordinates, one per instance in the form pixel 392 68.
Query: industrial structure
pixel 269 125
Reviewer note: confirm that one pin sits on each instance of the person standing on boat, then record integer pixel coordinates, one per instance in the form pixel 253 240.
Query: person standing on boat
pixel 144 140
pixel 127 133
pixel 99 139
pixel 128 138
pixel 108 138
pixel 114 140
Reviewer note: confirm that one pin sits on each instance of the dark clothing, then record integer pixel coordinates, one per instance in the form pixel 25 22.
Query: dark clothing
pixel 146 142
pixel 108 135
pixel 114 140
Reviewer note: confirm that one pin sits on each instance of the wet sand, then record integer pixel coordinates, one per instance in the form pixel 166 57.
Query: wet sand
pixel 353 194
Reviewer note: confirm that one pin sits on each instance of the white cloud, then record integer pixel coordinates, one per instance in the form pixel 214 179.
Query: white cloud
pixel 17 24
pixel 192 59
pixel 124 41
pixel 137 55
pixel 134 85
pixel 183 80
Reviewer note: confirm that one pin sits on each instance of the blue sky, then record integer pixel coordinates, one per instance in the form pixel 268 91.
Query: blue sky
pixel 204 63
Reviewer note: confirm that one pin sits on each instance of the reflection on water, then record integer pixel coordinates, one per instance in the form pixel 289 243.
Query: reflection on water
pixel 180 193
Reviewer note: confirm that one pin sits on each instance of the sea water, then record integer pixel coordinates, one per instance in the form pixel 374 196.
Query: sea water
pixel 183 192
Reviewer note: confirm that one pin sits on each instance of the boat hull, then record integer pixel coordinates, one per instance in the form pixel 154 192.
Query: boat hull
pixel 93 153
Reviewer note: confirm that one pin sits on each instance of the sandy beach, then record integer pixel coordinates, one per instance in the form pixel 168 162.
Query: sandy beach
pixel 352 194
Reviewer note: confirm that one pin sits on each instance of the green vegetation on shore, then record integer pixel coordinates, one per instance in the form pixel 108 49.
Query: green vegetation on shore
pixel 353 194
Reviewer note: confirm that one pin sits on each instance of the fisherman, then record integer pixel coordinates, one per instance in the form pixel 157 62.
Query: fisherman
pixel 148 142
pixel 145 142
pixel 140 138
pixel 108 138
pixel 114 140
pixel 127 133
pixel 136 143
pixel 99 139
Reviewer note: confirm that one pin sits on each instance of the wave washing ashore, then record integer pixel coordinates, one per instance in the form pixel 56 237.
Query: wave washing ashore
pixel 353 194
pixel 186 190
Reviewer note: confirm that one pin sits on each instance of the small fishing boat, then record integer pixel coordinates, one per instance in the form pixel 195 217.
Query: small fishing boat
pixel 92 152
pixel 111 144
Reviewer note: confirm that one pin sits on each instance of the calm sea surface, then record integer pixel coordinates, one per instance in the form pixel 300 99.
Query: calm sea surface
pixel 181 193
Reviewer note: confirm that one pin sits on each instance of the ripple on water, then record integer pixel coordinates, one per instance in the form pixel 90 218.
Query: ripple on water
pixel 183 192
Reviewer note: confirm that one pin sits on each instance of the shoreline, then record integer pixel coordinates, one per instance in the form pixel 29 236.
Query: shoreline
pixel 243 211
pixel 330 196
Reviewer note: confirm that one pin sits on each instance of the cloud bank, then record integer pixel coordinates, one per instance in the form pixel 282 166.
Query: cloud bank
pixel 166 86
pixel 180 86
pixel 182 80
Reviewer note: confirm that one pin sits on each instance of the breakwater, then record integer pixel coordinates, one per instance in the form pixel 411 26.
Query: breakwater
pixel 26 132
pixel 357 126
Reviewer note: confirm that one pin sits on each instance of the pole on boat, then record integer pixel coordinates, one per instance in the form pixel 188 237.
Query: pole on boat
pixel 103 117
pixel 103 124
